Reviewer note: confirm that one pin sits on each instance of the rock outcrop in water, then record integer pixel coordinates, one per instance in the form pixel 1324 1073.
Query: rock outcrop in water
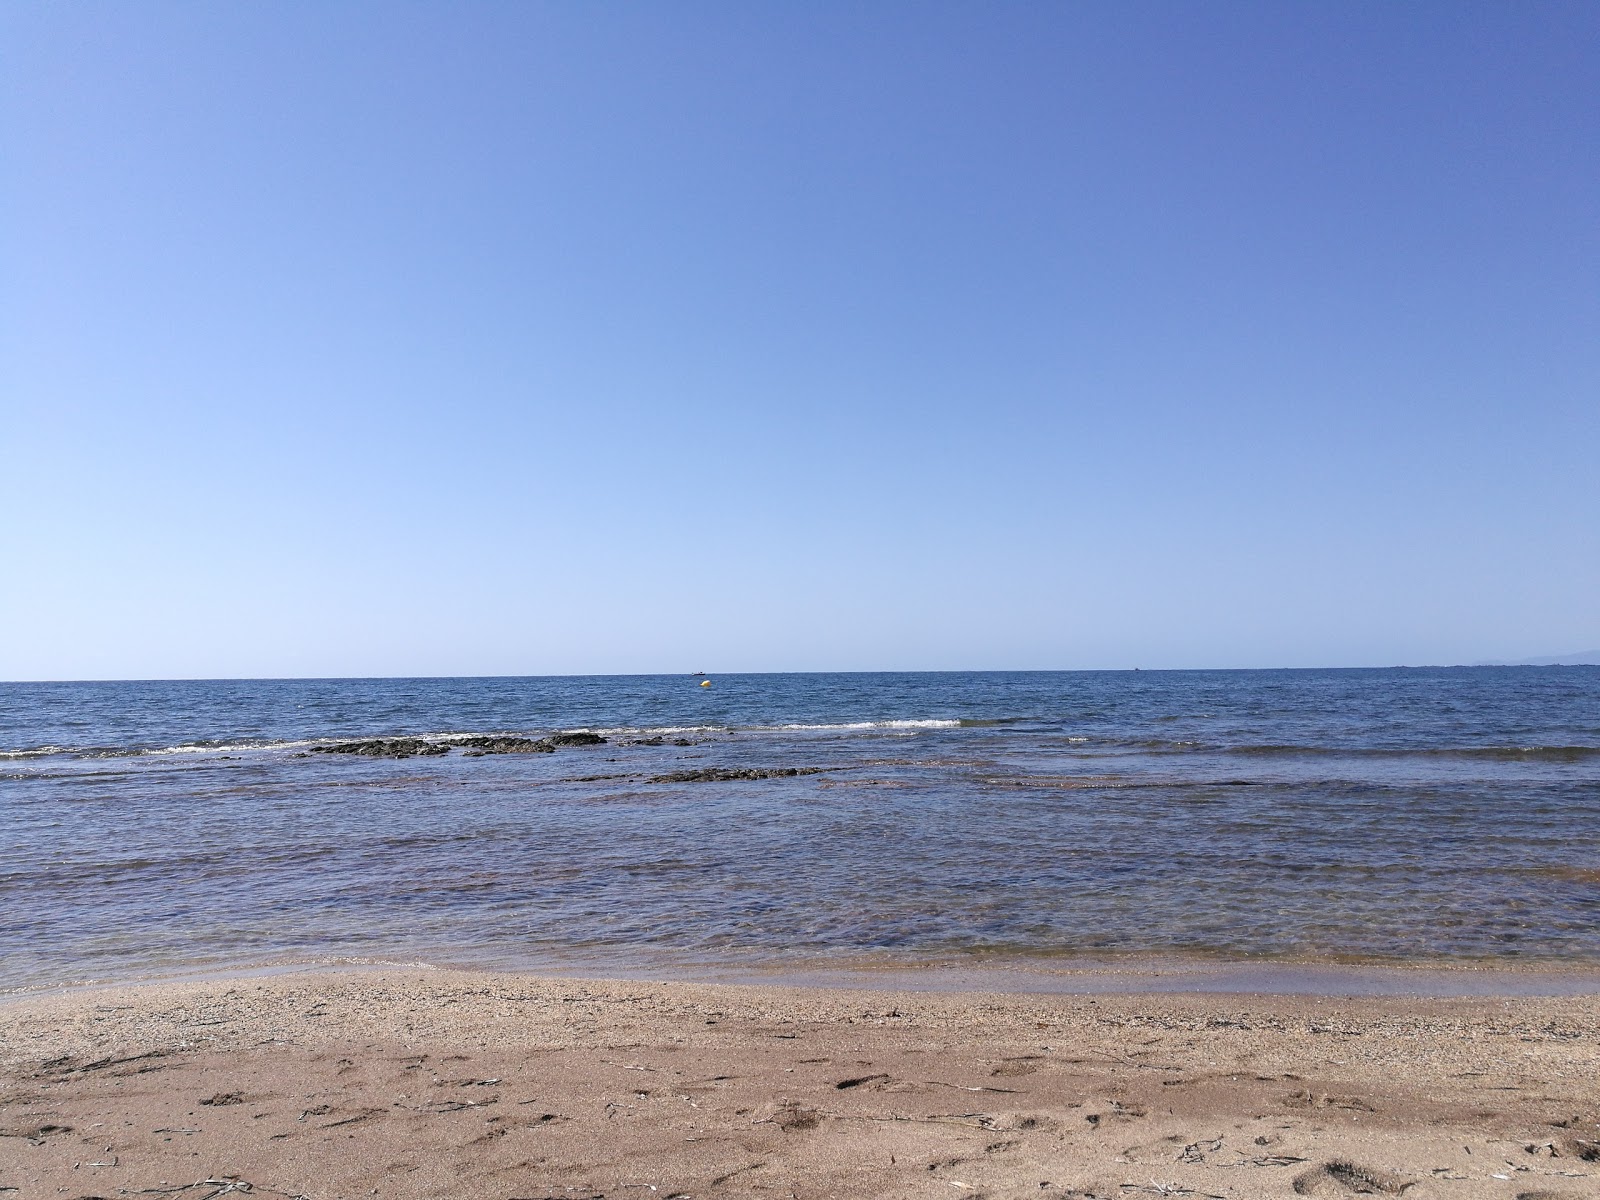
pixel 385 748
pixel 473 746
pixel 725 774
pixel 476 746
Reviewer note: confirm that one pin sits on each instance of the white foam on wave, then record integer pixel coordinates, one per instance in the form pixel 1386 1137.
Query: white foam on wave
pixel 453 737
pixel 652 730
pixel 543 731
pixel 34 752
pixel 224 747
pixel 927 724
pixel 118 752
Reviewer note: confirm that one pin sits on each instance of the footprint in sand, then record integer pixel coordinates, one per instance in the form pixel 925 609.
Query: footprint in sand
pixel 1018 1123
pixel 1306 1098
pixel 789 1116
pixel 36 1136
pixel 1582 1148
pixel 860 1081
pixel 1340 1178
pixel 1115 1110
pixel 1022 1064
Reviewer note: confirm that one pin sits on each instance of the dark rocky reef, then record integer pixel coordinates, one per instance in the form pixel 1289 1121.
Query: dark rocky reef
pixel 476 746
pixel 385 748
pixel 473 746
pixel 725 774
pixel 576 739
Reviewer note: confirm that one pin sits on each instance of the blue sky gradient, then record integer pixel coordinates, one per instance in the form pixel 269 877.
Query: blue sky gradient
pixel 391 339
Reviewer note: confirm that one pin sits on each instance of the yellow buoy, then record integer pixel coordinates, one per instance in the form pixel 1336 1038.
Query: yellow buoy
pixel 705 683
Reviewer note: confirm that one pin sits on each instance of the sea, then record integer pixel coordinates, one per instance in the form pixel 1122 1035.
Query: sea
pixel 1436 817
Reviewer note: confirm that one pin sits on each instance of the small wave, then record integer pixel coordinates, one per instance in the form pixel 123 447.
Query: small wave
pixel 607 731
pixel 1063 782
pixel 1570 874
pixel 1288 750
pixel 849 725
pixel 101 752
pixel 1468 753
pixel 221 747
pixel 33 752
pixel 646 730
pixel 1536 753
pixel 234 745
pixel 217 746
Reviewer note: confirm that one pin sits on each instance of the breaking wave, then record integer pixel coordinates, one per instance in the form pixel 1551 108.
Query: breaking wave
pixel 932 723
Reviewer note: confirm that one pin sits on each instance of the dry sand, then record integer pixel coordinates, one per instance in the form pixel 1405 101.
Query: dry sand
pixel 430 1083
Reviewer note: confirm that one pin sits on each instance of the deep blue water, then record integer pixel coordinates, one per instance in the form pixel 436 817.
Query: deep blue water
pixel 1435 814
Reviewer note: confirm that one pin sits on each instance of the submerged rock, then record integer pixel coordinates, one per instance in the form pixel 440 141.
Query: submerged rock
pixel 385 748
pixel 475 746
pixel 725 774
pixel 576 739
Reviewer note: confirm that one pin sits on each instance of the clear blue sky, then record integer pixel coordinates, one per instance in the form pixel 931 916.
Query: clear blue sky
pixel 454 338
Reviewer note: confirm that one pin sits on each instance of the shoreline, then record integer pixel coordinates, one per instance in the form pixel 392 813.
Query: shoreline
pixel 422 1082
pixel 1127 975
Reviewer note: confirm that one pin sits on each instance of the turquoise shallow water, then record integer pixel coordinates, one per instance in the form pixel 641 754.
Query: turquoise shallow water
pixel 1445 816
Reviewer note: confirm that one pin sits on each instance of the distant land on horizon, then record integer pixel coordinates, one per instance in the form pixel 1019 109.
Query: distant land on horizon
pixel 1580 658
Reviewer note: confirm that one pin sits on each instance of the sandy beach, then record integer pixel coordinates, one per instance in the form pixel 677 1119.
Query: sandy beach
pixel 431 1083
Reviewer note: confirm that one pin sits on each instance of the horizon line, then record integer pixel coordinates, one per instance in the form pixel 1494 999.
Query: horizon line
pixel 1554 661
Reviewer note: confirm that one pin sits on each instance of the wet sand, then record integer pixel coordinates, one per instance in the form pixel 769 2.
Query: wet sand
pixel 431 1083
